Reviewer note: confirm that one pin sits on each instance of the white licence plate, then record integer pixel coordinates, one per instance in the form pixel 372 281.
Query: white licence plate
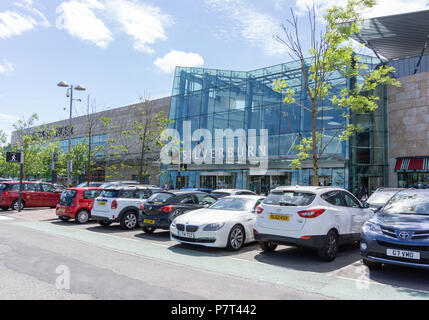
pixel 185 234
pixel 403 254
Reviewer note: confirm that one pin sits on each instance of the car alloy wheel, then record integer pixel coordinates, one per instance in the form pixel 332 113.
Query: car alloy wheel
pixel 82 217
pixel 236 238
pixel 330 248
pixel 15 205
pixel 130 220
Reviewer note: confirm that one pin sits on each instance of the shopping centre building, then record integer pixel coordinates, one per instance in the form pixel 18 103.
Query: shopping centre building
pixel 392 149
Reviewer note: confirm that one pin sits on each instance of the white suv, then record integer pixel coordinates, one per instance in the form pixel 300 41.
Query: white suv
pixel 317 217
pixel 121 204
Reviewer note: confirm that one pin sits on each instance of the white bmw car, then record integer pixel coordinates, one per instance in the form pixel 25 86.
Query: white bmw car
pixel 228 223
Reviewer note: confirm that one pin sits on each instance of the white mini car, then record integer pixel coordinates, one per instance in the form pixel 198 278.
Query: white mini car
pixel 317 217
pixel 228 223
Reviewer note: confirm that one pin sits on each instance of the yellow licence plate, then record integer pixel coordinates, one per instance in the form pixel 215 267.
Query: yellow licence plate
pixel 102 203
pixel 279 217
pixel 149 221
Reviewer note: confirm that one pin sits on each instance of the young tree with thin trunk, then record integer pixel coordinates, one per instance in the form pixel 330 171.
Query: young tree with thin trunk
pixel 330 51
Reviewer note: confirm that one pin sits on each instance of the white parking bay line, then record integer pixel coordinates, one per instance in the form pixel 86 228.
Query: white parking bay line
pixel 3 218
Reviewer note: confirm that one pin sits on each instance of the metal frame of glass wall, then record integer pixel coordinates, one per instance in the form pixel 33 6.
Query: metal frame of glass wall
pixel 220 99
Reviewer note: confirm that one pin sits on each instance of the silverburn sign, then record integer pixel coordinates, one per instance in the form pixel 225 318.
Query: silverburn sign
pixel 58 132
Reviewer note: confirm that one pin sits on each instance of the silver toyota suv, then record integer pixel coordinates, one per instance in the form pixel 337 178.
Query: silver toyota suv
pixel 121 204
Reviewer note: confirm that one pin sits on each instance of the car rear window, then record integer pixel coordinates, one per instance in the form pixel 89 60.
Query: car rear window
pixel 289 198
pixel 219 194
pixel 91 194
pixel 67 197
pixel 3 186
pixel 161 197
pixel 381 197
pixel 110 194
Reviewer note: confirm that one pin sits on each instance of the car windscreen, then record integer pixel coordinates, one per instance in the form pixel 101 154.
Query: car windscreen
pixel 160 198
pixel 67 197
pixel 234 204
pixel 110 194
pixel 289 198
pixel 219 194
pixel 381 197
pixel 408 203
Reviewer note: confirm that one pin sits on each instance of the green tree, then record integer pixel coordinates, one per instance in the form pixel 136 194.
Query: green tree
pixel 331 51
pixel 141 141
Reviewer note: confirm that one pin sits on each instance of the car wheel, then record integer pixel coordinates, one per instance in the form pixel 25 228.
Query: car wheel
pixel 104 223
pixel 372 265
pixel 328 251
pixel 15 205
pixel 148 229
pixel 236 238
pixel 267 246
pixel 129 220
pixel 65 219
pixel 82 216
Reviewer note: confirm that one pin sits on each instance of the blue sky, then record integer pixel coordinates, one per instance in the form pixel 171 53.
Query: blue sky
pixel 122 49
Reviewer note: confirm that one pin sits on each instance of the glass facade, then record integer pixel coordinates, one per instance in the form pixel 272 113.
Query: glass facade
pixel 97 140
pixel 221 99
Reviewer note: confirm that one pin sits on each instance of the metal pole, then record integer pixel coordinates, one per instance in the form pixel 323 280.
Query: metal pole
pixel 69 183
pixel 21 166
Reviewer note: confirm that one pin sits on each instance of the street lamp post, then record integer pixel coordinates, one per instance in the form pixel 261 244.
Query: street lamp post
pixel 70 94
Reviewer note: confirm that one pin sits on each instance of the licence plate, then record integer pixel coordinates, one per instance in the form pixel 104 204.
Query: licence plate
pixel 279 217
pixel 102 203
pixel 185 234
pixel 403 254
pixel 61 210
pixel 149 221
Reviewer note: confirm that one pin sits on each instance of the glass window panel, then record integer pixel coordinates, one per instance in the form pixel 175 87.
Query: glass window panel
pixel 222 99
pixel 270 119
pixel 286 144
pixel 194 104
pixel 290 117
pixel 238 97
pixel 236 119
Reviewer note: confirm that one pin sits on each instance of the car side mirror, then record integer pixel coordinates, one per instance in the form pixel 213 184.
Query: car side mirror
pixel 365 205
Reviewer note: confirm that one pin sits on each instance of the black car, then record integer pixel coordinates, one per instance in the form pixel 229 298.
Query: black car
pixel 161 208
pixel 381 196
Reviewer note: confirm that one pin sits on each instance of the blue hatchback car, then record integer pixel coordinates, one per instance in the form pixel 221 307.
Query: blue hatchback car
pixel 399 232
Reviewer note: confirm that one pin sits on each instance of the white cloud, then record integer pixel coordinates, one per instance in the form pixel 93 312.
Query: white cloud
pixel 251 24
pixel 81 22
pixel 6 68
pixel 145 24
pixel 15 22
pixel 178 58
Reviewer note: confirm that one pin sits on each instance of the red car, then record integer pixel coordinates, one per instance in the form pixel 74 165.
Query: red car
pixel 34 194
pixel 76 203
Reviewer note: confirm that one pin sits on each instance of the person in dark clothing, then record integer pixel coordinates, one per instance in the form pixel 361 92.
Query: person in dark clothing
pixel 363 192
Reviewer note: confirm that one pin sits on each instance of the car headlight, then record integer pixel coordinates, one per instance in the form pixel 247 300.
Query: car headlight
pixel 173 224
pixel 213 226
pixel 371 227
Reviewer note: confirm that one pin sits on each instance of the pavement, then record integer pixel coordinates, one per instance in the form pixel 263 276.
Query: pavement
pixel 42 257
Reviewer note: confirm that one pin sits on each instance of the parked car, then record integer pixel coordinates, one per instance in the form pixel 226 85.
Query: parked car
pixel 34 194
pixel 77 203
pixel 219 193
pixel 321 218
pixel 160 209
pixel 59 186
pixel 228 223
pixel 381 196
pixel 398 233
pixel 121 204
pixel 91 184
pixel 107 185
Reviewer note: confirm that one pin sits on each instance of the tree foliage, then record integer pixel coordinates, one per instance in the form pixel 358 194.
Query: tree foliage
pixel 331 51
